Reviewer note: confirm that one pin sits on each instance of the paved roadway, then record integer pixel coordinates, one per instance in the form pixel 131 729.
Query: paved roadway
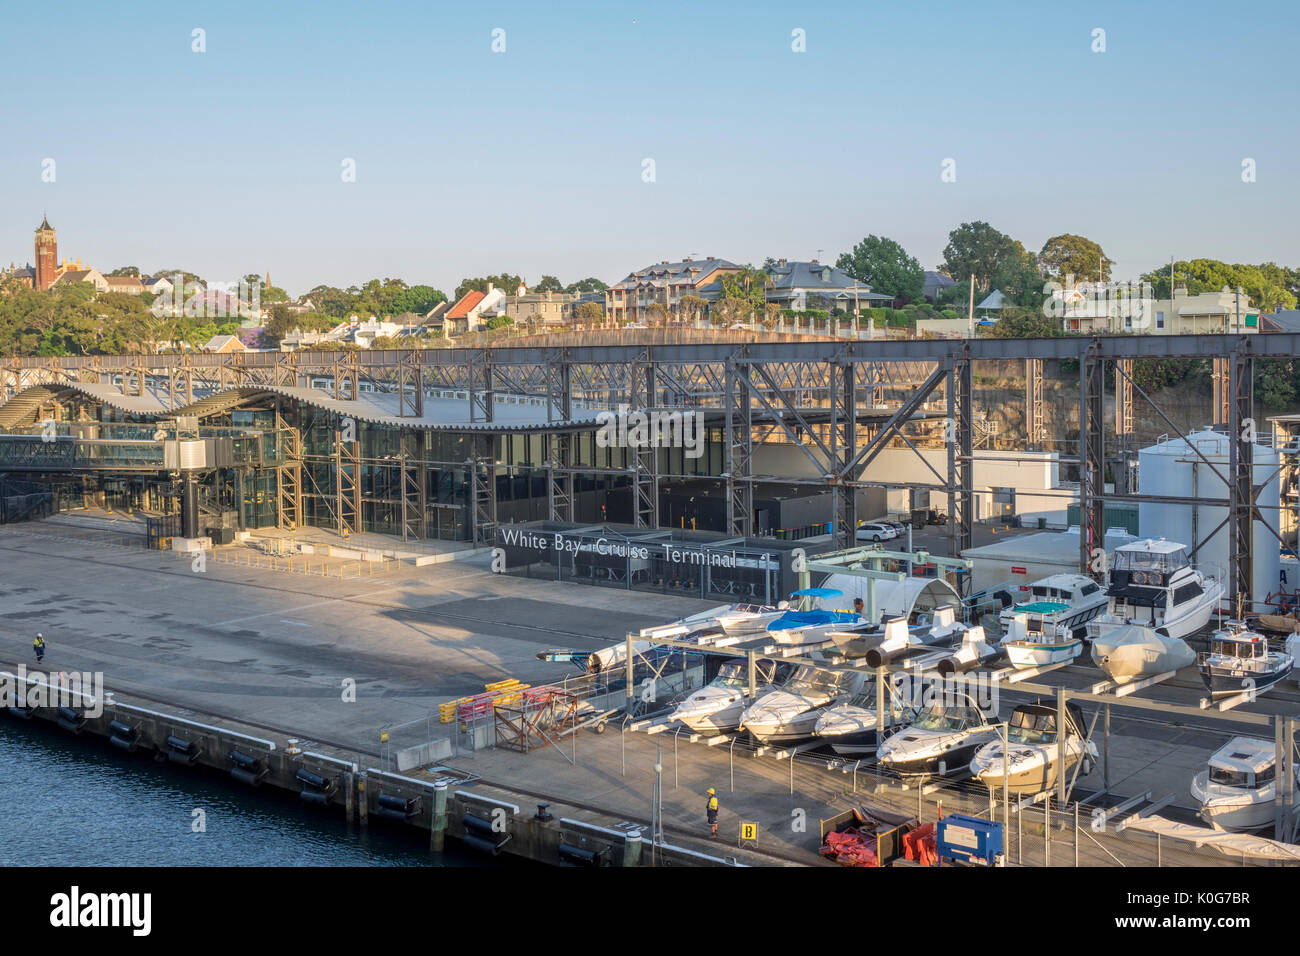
pixel 273 650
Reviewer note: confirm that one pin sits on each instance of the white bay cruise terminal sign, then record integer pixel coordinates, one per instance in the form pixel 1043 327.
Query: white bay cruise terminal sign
pixel 672 561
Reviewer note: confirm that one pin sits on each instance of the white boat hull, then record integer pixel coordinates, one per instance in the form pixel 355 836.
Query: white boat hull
pixel 1234 811
pixel 775 730
pixel 1032 654
pixel 1033 768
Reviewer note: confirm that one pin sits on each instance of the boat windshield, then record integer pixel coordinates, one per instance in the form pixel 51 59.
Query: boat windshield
pixel 815 680
pixel 1229 778
pixel 1026 728
pixel 1244 649
pixel 1165 561
pixel 731 675
pixel 942 719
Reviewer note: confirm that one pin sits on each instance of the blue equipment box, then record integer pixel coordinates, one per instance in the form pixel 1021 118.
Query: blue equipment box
pixel 969 839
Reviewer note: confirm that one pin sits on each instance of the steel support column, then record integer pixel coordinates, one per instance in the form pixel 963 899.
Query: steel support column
pixel 288 473
pixel 347 482
pixel 481 397
pixel 1124 400
pixel 739 450
pixel 1220 378
pixel 1241 493
pixel 410 385
pixel 644 454
pixel 1035 423
pixel 558 446
pixel 558 449
pixel 483 489
pixel 1092 462
pixel 960 442
pixel 414 486
pixel 844 446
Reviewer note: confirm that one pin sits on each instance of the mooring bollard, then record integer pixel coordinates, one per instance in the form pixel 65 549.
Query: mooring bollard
pixel 438 828
pixel 632 849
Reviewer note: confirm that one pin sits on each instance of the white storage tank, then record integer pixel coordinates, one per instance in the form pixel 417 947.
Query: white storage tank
pixel 1172 467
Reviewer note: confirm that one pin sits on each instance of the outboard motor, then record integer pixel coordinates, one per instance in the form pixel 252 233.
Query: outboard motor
pixel 973 653
pixel 896 642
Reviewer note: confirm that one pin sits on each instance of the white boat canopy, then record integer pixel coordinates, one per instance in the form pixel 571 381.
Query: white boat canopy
pixel 913 595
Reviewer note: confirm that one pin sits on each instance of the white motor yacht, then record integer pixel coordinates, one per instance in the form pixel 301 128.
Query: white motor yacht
pixel 1238 788
pixel 1060 605
pixel 850 727
pixel 790 712
pixel 718 706
pixel 942 740
pixel 1034 748
pixel 1152 583
pixel 1241 661
pixel 1037 642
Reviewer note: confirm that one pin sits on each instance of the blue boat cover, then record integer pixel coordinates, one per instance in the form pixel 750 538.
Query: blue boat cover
pixel 818 592
pixel 795 619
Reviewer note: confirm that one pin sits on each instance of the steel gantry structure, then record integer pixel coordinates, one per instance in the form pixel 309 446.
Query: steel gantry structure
pixel 840 402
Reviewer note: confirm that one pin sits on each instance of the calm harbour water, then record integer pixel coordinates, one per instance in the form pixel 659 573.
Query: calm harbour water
pixel 76 801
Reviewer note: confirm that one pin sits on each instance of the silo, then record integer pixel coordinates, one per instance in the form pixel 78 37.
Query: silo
pixel 1172 467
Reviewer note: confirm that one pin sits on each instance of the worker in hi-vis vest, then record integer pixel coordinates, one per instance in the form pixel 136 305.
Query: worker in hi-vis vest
pixel 38 645
pixel 711 810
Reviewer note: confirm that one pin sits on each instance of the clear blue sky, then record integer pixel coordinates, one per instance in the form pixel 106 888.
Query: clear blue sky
pixel 530 161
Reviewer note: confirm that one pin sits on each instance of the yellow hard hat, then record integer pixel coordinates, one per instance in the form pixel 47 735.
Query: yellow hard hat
pixel 710 791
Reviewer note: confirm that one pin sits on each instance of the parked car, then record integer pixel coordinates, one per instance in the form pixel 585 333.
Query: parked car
pixel 876 531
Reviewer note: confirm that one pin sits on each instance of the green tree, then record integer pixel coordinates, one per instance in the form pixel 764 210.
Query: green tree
pixel 1267 286
pixel 280 324
pixel 506 282
pixel 976 248
pixel 1017 323
pixel 549 284
pixel 588 315
pixel 418 299
pixel 1070 255
pixel 1020 281
pixel 885 266
pixel 586 285
pixel 747 288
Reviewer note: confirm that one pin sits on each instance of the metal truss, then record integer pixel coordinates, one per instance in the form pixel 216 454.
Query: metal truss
pixel 961 461
pixel 841 404
pixel 483 488
pixel 410 385
pixel 738 451
pixel 414 482
pixel 1092 462
pixel 559 475
pixel 347 483
pixel 288 476
pixel 645 456
pixel 1241 444
pixel 1035 423
pixel 1220 378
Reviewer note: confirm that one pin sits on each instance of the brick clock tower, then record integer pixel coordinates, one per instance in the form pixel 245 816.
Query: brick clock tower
pixel 47 256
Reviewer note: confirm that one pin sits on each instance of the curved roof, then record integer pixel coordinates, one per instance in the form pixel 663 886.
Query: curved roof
pixel 896 598
pixel 443 410
pixel 25 406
